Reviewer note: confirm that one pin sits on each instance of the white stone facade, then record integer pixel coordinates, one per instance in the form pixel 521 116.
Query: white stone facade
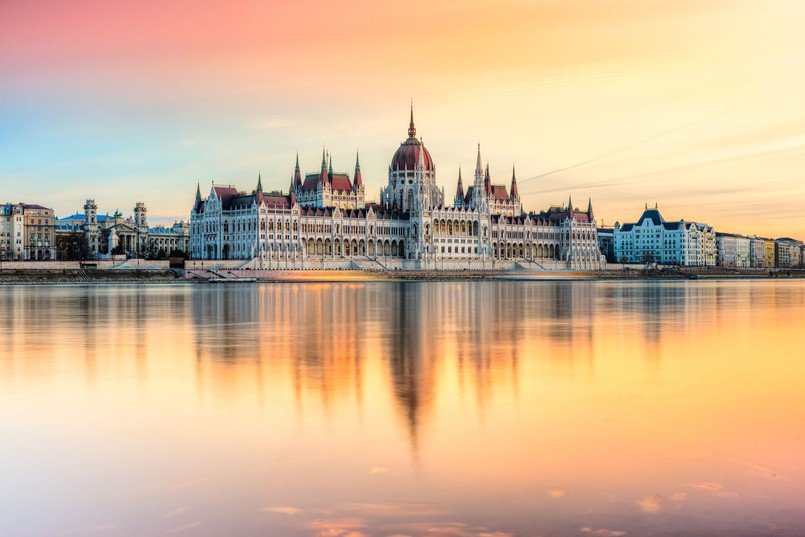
pixel 732 250
pixel 411 227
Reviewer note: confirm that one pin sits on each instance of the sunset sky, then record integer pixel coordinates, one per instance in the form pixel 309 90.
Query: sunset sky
pixel 695 105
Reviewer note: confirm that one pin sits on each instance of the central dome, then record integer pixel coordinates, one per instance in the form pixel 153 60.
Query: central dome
pixel 407 156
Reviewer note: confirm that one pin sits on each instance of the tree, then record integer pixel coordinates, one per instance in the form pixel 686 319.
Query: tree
pixel 71 246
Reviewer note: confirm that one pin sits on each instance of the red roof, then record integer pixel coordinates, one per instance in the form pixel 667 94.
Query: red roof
pixel 500 193
pixel 225 194
pixel 339 181
pixel 407 156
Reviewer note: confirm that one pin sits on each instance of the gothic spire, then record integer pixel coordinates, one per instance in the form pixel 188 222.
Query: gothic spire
pixel 478 169
pixel 323 173
pixel 259 188
pixel 358 182
pixel 459 187
pixel 590 207
pixel 198 192
pixel 297 174
pixel 411 127
pixel 487 180
pixel 514 192
pixel 570 204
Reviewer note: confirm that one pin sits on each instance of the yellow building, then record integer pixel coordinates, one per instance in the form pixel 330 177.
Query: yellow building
pixel 768 253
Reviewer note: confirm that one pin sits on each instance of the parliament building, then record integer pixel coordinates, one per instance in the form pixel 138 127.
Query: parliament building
pixel 325 222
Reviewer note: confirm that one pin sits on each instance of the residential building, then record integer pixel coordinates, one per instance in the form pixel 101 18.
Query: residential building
pixel 653 240
pixel 732 250
pixel 27 232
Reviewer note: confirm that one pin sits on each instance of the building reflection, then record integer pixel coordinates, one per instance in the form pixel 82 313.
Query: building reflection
pixel 332 346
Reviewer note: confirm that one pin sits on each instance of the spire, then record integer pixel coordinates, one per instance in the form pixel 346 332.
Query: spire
pixel 514 192
pixel 358 182
pixel 259 183
pixel 411 127
pixel 196 205
pixel 478 169
pixel 323 173
pixel 487 180
pixel 590 208
pixel 297 174
pixel 460 187
pixel 570 204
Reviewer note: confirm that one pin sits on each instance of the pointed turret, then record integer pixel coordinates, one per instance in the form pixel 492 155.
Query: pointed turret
pixel 357 183
pixel 323 173
pixel 487 181
pixel 478 169
pixel 259 184
pixel 514 192
pixel 330 169
pixel 590 208
pixel 411 127
pixel 297 174
pixel 198 197
pixel 459 189
pixel 570 204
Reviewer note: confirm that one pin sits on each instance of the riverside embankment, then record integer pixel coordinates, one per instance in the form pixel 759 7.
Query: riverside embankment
pixel 101 276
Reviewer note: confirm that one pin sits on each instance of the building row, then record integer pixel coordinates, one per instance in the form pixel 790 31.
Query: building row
pixel 325 220
pixel 104 235
pixel 653 240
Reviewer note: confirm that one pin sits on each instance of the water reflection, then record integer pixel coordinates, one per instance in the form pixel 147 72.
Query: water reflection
pixel 494 408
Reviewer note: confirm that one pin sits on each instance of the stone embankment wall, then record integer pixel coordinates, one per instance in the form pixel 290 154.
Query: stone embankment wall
pixel 87 276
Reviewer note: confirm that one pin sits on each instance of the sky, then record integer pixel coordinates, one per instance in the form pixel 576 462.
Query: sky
pixel 693 105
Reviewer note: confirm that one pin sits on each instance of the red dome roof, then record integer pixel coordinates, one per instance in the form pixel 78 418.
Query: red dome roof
pixel 407 156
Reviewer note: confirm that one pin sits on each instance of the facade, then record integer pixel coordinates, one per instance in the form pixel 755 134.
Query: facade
pixel 756 252
pixel 325 218
pixel 606 244
pixel 788 253
pixel 653 240
pixel 732 250
pixel 27 232
pixel 106 235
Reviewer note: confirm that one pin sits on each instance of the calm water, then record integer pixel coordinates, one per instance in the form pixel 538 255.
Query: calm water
pixel 404 409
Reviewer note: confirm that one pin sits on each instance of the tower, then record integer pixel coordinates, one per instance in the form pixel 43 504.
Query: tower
pixel 91 228
pixel 479 200
pixel 141 228
pixel 411 171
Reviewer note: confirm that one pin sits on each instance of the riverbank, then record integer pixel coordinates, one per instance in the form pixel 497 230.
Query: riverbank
pixel 42 276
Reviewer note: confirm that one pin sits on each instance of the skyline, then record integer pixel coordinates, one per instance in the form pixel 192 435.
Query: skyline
pixel 691 105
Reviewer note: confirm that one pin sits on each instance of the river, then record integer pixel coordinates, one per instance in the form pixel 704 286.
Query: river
pixel 438 409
